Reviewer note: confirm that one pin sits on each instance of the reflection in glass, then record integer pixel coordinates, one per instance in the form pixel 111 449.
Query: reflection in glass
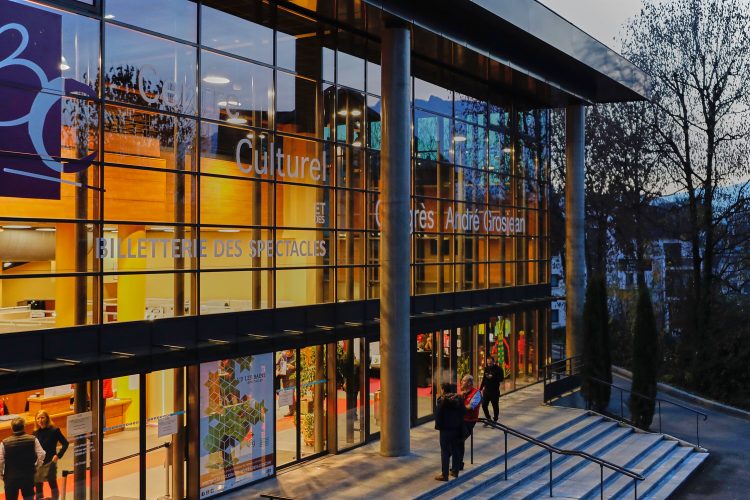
pixel 286 406
pixel 313 385
pixel 149 71
pixel 425 382
pixel 235 92
pixel 239 27
pixel 350 385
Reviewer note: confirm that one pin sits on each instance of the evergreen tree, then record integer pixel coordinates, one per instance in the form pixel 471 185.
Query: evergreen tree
pixel 645 361
pixel 596 351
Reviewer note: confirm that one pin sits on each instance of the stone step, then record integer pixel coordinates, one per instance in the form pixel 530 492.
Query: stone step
pixel 586 476
pixel 655 473
pixel 535 482
pixel 537 462
pixel 520 453
pixel 615 485
pixel 677 476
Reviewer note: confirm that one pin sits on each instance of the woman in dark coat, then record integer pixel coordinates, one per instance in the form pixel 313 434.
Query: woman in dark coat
pixel 49 436
pixel 449 420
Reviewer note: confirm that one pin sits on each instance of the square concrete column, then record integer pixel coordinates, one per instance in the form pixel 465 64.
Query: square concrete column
pixel 395 175
pixel 575 251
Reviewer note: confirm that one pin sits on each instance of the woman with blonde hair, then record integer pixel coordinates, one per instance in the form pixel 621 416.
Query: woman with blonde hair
pixel 48 436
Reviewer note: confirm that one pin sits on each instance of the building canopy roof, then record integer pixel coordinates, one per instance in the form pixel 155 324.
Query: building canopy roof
pixel 520 45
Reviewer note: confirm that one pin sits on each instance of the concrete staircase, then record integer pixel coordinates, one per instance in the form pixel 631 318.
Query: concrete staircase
pixel 664 461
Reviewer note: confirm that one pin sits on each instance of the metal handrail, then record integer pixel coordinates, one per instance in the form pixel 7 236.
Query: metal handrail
pixel 658 402
pixel 553 449
pixel 564 362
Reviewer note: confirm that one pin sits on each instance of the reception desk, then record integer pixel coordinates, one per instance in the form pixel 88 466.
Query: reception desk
pixel 59 408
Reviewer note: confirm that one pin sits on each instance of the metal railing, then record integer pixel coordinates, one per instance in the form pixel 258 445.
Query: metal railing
pixel 561 377
pixel 553 449
pixel 563 368
pixel 658 402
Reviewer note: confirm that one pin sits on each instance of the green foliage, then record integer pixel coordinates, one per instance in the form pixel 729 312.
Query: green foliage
pixel 645 361
pixel 596 350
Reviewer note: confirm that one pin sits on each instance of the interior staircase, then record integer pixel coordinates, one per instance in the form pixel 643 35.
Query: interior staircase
pixel 662 460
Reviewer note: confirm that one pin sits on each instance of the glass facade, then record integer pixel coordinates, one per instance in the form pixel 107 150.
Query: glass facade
pixel 177 158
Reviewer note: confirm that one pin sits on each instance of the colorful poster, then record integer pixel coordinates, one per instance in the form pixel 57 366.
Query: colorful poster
pixel 236 426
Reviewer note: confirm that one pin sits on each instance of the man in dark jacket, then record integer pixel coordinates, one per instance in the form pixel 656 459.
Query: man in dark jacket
pixel 490 387
pixel 20 455
pixel 449 420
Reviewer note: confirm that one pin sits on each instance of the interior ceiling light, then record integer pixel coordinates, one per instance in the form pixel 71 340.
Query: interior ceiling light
pixel 109 16
pixel 357 144
pixel 507 149
pixel 356 112
pixel 216 79
pixel 229 230
pixel 224 104
pixel 249 135
pixel 64 64
pixel 343 112
pixel 16 226
pixel 163 228
pixel 459 138
pixel 237 121
pixel 46 229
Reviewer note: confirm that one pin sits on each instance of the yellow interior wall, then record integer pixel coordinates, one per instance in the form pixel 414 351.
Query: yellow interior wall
pixel 122 386
pixel 14 291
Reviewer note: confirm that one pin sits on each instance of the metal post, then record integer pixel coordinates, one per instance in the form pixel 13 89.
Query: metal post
pixel 472 447
pixel 506 454
pixel 601 481
pixel 658 403
pixel 394 242
pixel 575 255
pixel 635 488
pixel 697 435
pixel 550 473
pixel 622 416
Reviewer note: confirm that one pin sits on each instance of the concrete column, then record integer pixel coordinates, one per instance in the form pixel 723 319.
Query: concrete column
pixel 394 241
pixel 575 252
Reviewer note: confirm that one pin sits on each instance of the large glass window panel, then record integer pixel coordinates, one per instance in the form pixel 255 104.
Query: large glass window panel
pixel 373 78
pixel 146 247
pixel 499 190
pixel 286 406
pixel 37 303
pixel 350 388
pixel 121 446
pixel 45 247
pixel 149 71
pixel 313 399
pixel 303 206
pixel 373 170
pixel 137 297
pixel 226 247
pixel 147 139
pixel 303 248
pixel 230 150
pixel 302 161
pixel 500 152
pixel 432 136
pixel 423 369
pixel 374 126
pixel 301 287
pixel 239 28
pixel 350 283
pixel 350 206
pixel 236 202
pixel 374 386
pixel 300 107
pixel 351 69
pixel 470 109
pixel 235 91
pixel 350 108
pixel 499 115
pixel 431 97
pixel 177 18
pixel 350 162
pixel 146 195
pixel 470 185
pixel 350 248
pixel 235 291
pixel 304 45
pixel 470 143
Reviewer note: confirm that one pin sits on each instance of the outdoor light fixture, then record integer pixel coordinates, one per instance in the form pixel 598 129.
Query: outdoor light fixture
pixel 14 226
pixel 64 64
pixel 216 79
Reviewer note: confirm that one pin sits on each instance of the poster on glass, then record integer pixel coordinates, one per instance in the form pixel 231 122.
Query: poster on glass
pixel 236 424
